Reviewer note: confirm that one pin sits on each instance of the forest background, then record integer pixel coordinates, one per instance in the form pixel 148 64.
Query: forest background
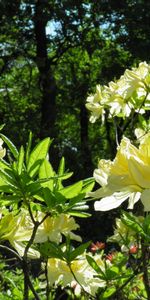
pixel 52 55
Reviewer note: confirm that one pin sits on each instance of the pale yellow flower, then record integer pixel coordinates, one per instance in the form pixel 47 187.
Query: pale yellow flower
pixel 54 227
pixel 138 77
pixel 59 272
pixel 130 91
pixel 17 230
pixel 128 176
pixel 94 105
pixel 123 233
pixel 117 98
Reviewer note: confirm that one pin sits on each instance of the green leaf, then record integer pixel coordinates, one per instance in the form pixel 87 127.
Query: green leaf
pixel 53 199
pixel 95 266
pixel 55 178
pixel 72 190
pixel 20 160
pixel 6 176
pixel 10 145
pixel 132 222
pixel 64 176
pixel 146 226
pixel 2 126
pixel 37 156
pixel 49 198
pixel 112 272
pixel 79 250
pixel 88 185
pixel 108 293
pixel 142 121
pixel 51 250
pixel 46 171
pixel 4 165
pixel 8 188
pixel 81 207
pixel 75 201
pixel 61 168
pixel 28 147
pixel 10 198
pixel 78 214
pixel 33 188
pixel 7 180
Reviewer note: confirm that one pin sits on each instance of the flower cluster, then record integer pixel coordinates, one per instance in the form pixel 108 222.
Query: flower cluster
pixel 17 229
pixel 126 177
pixel 79 275
pixel 125 236
pixel 131 91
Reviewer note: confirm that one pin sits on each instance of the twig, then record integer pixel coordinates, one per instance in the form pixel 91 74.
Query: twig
pixel 11 251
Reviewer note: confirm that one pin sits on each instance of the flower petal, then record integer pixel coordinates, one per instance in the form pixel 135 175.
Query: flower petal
pixel 145 198
pixel 111 202
pixel 134 197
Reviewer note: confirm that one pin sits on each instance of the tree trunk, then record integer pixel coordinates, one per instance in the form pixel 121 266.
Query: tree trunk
pixel 46 80
pixel 85 147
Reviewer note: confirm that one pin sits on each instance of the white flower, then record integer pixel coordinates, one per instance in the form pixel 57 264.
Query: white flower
pixel 54 227
pixel 59 272
pixel 127 177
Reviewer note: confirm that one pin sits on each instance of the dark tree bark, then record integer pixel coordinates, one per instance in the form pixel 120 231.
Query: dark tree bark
pixel 86 159
pixel 46 79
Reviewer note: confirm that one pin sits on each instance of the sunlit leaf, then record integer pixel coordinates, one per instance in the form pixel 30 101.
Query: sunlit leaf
pixel 46 171
pixel 20 160
pixel 108 293
pixel 51 250
pixel 10 145
pixel 28 147
pixel 72 190
pixel 79 250
pixel 95 266
pixel 37 156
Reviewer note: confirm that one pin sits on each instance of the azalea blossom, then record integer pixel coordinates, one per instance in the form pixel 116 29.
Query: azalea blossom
pixel 54 227
pixel 59 272
pixel 95 106
pixel 120 97
pixel 126 177
pixel 17 230
pixel 124 235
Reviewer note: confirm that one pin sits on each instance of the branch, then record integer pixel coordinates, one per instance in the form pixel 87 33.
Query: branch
pixel 12 252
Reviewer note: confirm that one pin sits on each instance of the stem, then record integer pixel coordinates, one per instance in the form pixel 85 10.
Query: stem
pixel 11 251
pixel 27 281
pixel 123 285
pixel 36 225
